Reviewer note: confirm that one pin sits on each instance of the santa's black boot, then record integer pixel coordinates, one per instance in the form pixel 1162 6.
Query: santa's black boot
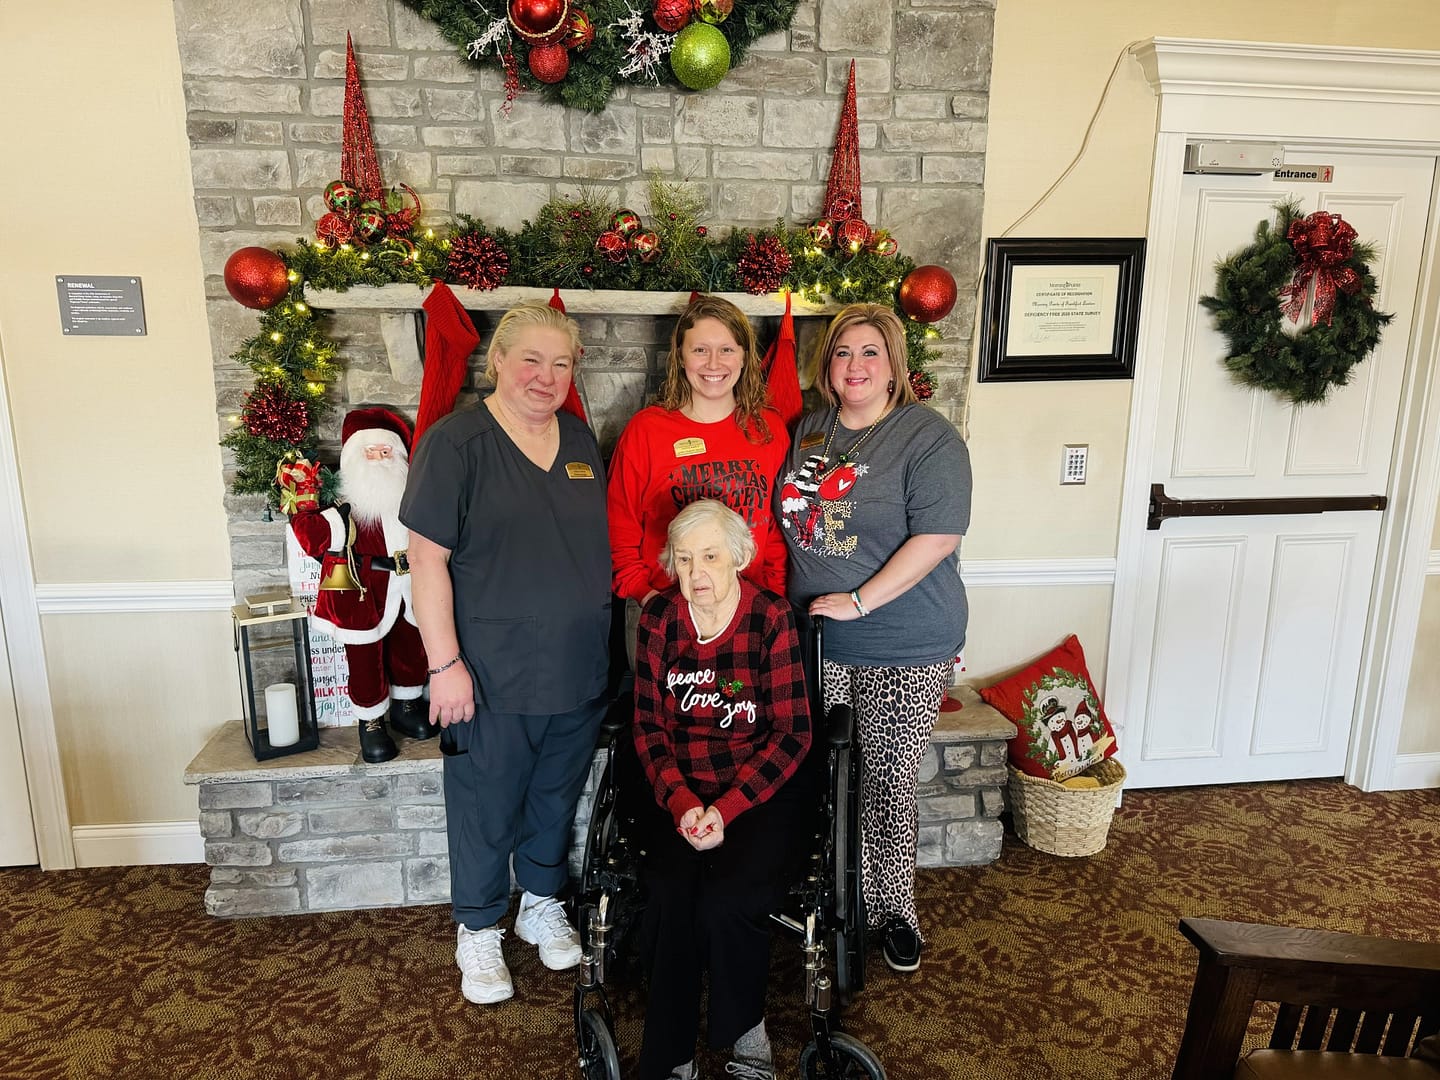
pixel 375 742
pixel 411 718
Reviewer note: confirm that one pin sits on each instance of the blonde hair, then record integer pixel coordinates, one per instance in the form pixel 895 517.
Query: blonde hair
pixel 522 317
pixel 891 330
pixel 750 392
pixel 733 530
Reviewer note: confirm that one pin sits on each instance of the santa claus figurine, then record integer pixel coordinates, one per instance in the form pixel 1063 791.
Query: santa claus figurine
pixel 364 599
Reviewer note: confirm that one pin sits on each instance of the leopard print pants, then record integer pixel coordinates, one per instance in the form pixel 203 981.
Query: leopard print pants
pixel 895 711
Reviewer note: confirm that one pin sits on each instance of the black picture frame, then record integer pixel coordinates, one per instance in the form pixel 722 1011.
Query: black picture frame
pixel 1083 296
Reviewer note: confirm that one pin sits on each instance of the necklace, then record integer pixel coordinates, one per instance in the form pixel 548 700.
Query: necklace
pixel 848 456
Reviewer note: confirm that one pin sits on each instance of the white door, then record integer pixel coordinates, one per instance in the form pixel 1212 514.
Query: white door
pixel 17 830
pixel 1250 628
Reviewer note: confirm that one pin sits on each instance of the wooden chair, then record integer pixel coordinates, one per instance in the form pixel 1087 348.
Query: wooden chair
pixel 1360 1006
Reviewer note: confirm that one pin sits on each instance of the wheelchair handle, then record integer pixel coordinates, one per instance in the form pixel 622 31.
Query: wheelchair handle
pixel 817 640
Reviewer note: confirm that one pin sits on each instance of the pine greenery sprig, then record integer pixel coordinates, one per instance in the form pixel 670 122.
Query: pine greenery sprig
pixel 594 74
pixel 1302 367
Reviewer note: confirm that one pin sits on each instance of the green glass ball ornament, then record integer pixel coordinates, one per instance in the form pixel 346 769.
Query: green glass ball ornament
pixel 701 56
pixel 714 11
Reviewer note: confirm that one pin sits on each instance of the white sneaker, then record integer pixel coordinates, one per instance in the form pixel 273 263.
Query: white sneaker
pixel 542 922
pixel 484 977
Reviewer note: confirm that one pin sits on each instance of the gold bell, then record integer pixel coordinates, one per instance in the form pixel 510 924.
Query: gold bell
pixel 339 579
pixel 342 577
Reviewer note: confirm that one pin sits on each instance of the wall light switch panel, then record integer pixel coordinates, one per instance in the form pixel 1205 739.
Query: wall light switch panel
pixel 1072 467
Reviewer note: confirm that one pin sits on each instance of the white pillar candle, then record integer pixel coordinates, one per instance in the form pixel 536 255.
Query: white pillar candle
pixel 281 714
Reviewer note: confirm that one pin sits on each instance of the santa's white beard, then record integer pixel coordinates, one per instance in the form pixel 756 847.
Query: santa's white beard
pixel 374 490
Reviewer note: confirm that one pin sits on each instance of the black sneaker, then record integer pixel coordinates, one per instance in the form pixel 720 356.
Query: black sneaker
pixel 901 946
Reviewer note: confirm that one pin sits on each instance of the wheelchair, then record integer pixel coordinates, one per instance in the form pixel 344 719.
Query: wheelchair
pixel 824 910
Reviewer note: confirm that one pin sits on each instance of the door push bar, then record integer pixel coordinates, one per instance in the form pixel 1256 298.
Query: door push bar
pixel 1162 506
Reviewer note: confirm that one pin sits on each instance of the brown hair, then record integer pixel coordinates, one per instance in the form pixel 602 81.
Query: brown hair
pixel 522 317
pixel 750 392
pixel 891 330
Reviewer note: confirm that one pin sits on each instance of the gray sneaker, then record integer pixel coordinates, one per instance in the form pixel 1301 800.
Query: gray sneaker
pixel 484 978
pixel 543 922
pixel 750 1070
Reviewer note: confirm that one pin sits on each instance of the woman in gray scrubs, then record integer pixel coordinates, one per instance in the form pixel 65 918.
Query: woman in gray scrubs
pixel 511 584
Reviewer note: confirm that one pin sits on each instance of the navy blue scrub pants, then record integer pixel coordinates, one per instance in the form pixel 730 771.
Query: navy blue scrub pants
pixel 709 911
pixel 511 784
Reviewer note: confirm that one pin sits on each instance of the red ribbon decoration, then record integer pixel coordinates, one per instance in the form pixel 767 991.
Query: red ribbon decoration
pixel 1323 242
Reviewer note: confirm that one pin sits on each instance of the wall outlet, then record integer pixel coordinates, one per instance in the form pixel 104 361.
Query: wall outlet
pixel 1072 464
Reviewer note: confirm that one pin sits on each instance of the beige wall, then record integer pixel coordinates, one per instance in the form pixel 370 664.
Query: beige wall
pixel 1052 58
pixel 115 437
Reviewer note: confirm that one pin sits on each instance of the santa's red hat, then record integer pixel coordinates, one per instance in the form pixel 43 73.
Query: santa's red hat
pixel 370 421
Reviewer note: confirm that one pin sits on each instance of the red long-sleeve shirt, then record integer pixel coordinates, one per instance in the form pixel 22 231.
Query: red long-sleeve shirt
pixel 663 462
pixel 725 722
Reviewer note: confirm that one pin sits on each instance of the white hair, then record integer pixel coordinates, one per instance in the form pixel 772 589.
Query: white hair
pixel 733 530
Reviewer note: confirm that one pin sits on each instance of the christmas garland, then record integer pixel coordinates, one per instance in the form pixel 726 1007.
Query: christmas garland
pixel 1260 288
pixel 586 242
pixel 578 52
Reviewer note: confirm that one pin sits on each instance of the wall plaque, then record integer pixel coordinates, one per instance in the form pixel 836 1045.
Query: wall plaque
pixel 101 306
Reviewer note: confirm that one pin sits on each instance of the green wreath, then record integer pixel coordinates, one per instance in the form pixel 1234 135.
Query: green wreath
pixel 1255 287
pixel 595 71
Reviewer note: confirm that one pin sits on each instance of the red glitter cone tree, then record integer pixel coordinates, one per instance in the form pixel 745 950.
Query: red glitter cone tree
pixel 358 165
pixel 842 188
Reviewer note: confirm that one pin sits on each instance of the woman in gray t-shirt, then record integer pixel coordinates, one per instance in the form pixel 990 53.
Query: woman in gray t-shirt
pixel 874 500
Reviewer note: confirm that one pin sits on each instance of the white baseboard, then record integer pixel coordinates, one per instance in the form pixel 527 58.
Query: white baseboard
pixel 1415 771
pixel 141 843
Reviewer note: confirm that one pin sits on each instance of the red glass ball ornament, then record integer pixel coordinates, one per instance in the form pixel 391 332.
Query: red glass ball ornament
pixel 822 232
pixel 672 15
pixel 340 196
pixel 580 34
pixel 257 277
pixel 928 293
pixel 540 22
pixel 646 246
pixel 613 246
pixel 549 63
pixel 854 234
pixel 625 222
pixel 714 11
pixel 701 230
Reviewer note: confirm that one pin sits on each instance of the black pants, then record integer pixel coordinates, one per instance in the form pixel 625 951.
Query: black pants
pixel 710 911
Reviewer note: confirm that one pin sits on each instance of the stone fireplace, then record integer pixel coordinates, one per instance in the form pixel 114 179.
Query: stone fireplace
pixel 263 87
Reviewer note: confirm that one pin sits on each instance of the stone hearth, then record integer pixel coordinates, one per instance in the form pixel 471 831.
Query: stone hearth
pixel 325 831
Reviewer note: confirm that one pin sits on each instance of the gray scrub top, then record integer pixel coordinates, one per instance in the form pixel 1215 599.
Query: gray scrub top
pixel 529 562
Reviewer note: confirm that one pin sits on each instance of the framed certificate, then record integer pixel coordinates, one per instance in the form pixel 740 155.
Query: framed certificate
pixel 1060 309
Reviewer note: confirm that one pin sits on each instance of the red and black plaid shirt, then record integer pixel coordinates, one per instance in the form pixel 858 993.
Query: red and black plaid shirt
pixel 727 722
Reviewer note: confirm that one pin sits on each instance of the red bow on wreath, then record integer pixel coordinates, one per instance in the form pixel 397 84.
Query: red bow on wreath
pixel 1323 243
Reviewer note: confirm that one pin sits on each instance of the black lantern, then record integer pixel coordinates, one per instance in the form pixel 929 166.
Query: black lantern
pixel 272 649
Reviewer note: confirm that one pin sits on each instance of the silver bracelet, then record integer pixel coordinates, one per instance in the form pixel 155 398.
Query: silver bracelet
pixel 445 666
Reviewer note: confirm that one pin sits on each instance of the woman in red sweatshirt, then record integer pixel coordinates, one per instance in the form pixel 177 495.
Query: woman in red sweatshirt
pixel 709 435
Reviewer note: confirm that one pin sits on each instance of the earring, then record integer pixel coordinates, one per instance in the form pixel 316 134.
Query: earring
pixel 891 388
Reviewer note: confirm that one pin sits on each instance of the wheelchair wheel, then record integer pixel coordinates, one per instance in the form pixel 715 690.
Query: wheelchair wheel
pixel 599 1060
pixel 853 1061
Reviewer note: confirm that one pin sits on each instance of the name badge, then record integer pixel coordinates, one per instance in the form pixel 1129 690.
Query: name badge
pixel 815 438
pixel 578 470
pixel 689 447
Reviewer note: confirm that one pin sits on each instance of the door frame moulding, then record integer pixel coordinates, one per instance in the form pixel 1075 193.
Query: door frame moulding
pixel 48 809
pixel 1328 98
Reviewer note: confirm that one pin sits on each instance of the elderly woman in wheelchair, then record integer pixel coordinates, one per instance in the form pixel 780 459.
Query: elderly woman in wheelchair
pixel 721 723
pixel 704 820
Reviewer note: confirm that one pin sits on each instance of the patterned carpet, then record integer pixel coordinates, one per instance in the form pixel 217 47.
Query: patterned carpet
pixel 1036 967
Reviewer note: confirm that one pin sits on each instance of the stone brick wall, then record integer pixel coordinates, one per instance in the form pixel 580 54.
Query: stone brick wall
pixel 264 85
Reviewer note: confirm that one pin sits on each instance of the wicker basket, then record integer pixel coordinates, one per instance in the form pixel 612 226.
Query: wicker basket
pixel 1065 821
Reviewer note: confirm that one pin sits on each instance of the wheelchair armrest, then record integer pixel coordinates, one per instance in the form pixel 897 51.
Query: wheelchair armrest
pixel 840 727
pixel 618 718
